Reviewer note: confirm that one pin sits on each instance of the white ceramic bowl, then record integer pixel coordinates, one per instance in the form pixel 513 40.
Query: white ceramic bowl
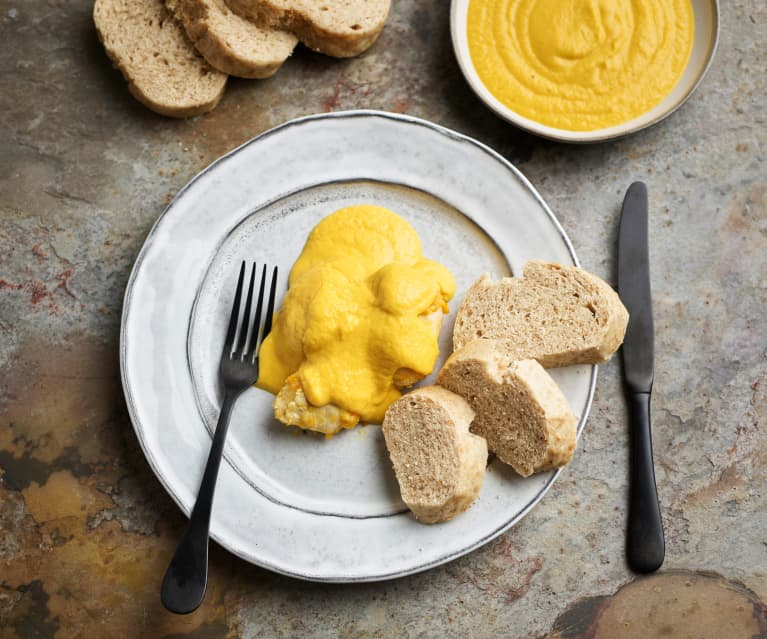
pixel 703 49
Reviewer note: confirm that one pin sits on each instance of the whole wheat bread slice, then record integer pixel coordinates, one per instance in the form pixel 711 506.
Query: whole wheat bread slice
pixel 558 315
pixel 440 465
pixel 520 410
pixel 163 69
pixel 339 28
pixel 230 43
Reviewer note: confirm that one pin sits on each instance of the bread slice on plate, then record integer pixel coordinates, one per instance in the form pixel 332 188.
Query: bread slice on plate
pixel 440 465
pixel 339 28
pixel 558 315
pixel 520 410
pixel 163 69
pixel 230 43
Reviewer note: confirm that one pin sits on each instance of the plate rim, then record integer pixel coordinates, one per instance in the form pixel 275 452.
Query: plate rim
pixel 126 309
pixel 564 135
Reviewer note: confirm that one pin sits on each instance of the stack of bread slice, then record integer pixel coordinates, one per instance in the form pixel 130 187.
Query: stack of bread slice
pixel 494 393
pixel 177 54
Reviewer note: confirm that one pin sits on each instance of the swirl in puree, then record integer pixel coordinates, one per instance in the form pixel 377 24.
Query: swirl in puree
pixel 580 65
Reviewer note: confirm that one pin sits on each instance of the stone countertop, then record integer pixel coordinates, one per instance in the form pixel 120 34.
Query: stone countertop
pixel 85 528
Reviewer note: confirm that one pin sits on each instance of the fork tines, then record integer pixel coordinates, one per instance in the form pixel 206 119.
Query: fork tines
pixel 244 337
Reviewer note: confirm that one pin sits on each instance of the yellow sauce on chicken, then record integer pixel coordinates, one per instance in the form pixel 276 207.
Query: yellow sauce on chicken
pixel 580 65
pixel 353 315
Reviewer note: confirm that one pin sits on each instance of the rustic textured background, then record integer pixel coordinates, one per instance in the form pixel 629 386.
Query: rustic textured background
pixel 85 529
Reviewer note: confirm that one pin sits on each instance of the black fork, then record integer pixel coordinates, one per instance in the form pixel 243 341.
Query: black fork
pixel 187 576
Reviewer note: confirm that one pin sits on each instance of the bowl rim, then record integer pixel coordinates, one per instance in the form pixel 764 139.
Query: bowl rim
pixel 458 23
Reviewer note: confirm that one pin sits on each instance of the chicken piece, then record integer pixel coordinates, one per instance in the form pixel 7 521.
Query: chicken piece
pixel 292 408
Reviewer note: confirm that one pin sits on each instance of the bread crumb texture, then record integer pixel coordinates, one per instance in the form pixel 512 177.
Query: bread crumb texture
pixel 163 69
pixel 558 315
pixel 519 409
pixel 339 28
pixel 439 464
pixel 231 43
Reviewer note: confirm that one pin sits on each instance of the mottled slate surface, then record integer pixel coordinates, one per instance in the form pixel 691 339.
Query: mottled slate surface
pixel 86 530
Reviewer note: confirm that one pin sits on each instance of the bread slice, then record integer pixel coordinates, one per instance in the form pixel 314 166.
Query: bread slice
pixel 230 43
pixel 163 69
pixel 520 410
pixel 439 464
pixel 558 315
pixel 339 28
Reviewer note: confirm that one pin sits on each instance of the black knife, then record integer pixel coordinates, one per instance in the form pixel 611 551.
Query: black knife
pixel 645 545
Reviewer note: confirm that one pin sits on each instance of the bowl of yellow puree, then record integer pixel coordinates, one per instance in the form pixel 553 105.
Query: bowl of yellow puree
pixel 584 70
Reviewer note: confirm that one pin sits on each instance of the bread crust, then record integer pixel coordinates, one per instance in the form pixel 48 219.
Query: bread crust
pixel 409 440
pixel 520 410
pixel 155 79
pixel 230 43
pixel 326 26
pixel 588 324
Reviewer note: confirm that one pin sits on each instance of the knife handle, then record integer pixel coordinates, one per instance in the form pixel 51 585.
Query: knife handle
pixel 645 545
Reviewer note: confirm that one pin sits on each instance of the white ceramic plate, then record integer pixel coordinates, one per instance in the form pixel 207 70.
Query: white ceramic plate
pixel 703 49
pixel 293 502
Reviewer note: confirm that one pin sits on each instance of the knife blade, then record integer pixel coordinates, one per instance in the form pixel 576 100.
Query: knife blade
pixel 634 290
pixel 645 543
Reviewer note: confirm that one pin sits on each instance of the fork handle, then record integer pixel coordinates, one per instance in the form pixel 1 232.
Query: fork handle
pixel 183 586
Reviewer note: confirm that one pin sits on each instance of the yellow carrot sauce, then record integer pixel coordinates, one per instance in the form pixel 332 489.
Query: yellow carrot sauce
pixel 352 317
pixel 580 65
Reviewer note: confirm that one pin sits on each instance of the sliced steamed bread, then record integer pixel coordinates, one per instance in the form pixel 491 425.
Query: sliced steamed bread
pixel 176 54
pixel 505 333
pixel 558 315
pixel 339 28
pixel 230 43
pixel 164 71
pixel 518 407
pixel 439 464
